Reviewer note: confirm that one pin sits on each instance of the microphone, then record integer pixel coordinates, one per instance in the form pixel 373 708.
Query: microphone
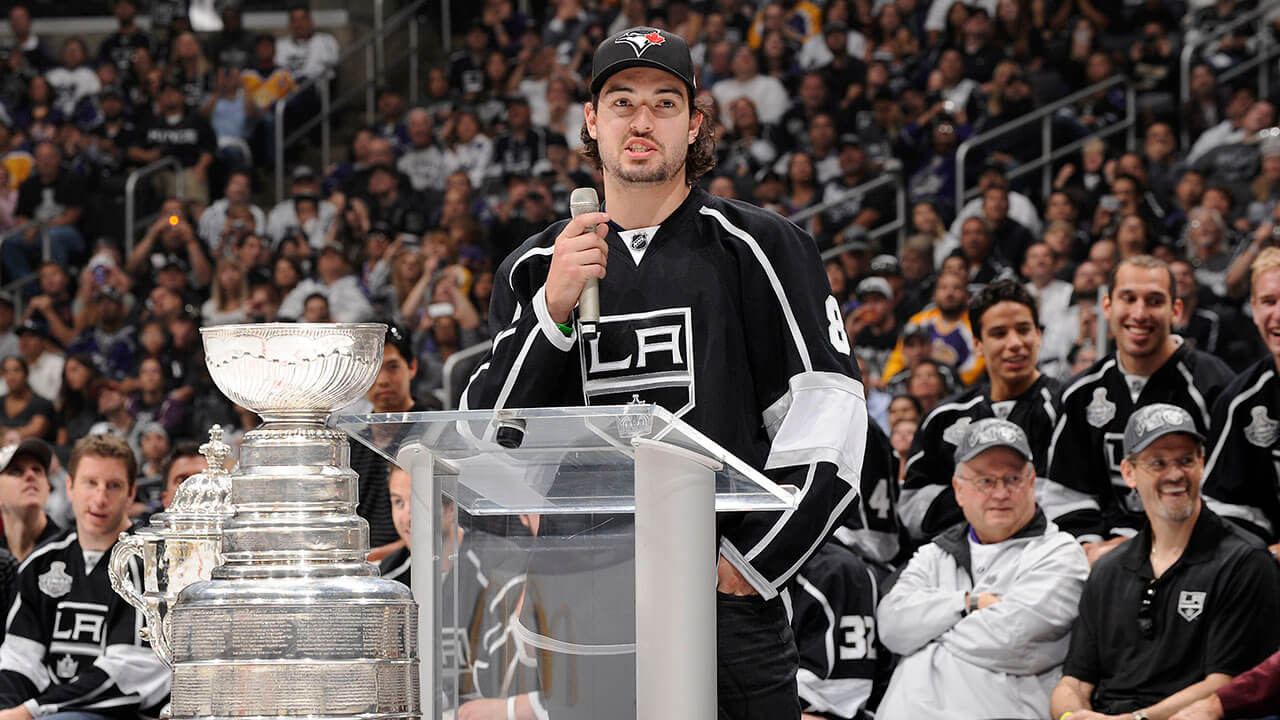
pixel 585 200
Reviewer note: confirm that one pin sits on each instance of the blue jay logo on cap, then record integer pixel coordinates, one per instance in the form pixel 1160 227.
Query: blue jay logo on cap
pixel 641 40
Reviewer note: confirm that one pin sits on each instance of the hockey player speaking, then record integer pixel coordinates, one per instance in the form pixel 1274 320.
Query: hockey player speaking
pixel 715 309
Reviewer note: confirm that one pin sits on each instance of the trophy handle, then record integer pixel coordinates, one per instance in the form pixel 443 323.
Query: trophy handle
pixel 126 548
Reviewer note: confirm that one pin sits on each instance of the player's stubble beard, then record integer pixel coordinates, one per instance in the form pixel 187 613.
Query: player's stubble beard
pixel 651 175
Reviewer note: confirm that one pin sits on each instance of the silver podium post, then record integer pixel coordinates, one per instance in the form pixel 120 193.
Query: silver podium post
pixel 675 583
pixel 424 549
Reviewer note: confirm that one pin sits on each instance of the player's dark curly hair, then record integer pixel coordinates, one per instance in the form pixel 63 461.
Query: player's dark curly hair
pixel 701 156
pixel 1007 290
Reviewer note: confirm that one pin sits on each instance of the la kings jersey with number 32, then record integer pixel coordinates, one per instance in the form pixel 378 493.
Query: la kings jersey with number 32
pixel 728 322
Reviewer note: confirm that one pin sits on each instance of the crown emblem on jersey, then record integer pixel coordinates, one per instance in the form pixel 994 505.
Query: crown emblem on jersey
pixel 641 40
pixel 55 582
pixel 1262 432
pixel 1101 410
pixel 638 425
pixel 66 667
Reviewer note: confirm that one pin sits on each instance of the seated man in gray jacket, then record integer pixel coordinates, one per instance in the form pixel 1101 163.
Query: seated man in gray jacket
pixel 981 615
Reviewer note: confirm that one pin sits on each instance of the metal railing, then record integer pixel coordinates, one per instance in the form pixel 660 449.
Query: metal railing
pixel 130 189
pixel 897 225
pixel 1049 154
pixel 1265 53
pixel 371 45
pixel 13 289
pixel 447 388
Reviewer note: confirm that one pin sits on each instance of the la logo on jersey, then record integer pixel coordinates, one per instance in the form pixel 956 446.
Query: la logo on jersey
pixel 646 356
pixel 641 40
pixel 1190 604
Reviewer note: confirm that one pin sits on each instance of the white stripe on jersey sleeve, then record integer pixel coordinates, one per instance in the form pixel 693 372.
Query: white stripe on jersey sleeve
pixel 136 671
pixel 1195 393
pixel 26 657
pixel 1254 389
pixel 913 505
pixel 843 696
pixel 1240 512
pixel 1057 499
pixel 828 637
pixel 825 421
pixel 796 336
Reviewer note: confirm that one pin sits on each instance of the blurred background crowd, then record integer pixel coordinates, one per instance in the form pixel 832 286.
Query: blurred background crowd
pixel 849 116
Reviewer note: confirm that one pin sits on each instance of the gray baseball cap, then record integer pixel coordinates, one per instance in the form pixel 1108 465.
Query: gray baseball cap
pixel 37 449
pixel 1152 422
pixel 876 285
pixel 989 433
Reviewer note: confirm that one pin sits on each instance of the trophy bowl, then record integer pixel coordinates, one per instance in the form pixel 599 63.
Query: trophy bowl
pixel 294 372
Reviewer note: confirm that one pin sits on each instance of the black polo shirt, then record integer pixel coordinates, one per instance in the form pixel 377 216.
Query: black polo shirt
pixel 1213 611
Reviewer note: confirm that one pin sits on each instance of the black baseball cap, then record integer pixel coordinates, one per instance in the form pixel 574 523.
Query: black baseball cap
pixel 643 47
pixel 34 447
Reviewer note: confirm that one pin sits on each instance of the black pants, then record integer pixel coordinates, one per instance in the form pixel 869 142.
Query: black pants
pixel 756 659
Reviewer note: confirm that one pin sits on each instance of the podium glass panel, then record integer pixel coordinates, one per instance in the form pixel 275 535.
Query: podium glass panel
pixel 574 572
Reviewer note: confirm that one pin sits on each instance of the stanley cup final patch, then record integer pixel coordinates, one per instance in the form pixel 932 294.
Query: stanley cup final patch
pixel 955 433
pixel 55 582
pixel 1262 431
pixel 1190 604
pixel 1100 410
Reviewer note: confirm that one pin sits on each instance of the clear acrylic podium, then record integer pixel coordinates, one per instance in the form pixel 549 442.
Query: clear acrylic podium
pixel 577 569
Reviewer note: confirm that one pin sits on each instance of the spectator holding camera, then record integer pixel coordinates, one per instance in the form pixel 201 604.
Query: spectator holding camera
pixel 213 221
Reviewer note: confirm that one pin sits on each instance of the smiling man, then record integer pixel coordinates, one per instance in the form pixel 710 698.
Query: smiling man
pixel 1175 613
pixel 1242 477
pixel 1006 330
pixel 72 645
pixel 981 614
pixel 715 309
pixel 1085 492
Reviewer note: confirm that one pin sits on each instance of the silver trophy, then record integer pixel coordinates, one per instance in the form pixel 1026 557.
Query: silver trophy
pixel 295 621
pixel 180 546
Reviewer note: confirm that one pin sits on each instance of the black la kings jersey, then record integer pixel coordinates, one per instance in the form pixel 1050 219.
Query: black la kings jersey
pixel 73 644
pixel 928 503
pixel 1084 492
pixel 871 530
pixel 833 601
pixel 728 322
pixel 1242 472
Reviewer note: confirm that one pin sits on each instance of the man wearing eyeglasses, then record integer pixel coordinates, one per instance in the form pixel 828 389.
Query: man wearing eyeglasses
pixel 1084 491
pixel 981 615
pixel 1175 613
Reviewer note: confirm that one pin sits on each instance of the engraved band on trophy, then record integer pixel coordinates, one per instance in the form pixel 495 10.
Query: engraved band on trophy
pixel 294 621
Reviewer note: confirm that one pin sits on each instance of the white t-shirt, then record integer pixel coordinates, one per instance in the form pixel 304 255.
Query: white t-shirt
pixel 768 94
pixel 72 86
pixel 309 58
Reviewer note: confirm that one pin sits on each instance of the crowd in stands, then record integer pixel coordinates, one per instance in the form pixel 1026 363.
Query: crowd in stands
pixel 810 100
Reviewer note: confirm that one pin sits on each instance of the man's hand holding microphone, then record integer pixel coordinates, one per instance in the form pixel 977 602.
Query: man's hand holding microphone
pixel 579 260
